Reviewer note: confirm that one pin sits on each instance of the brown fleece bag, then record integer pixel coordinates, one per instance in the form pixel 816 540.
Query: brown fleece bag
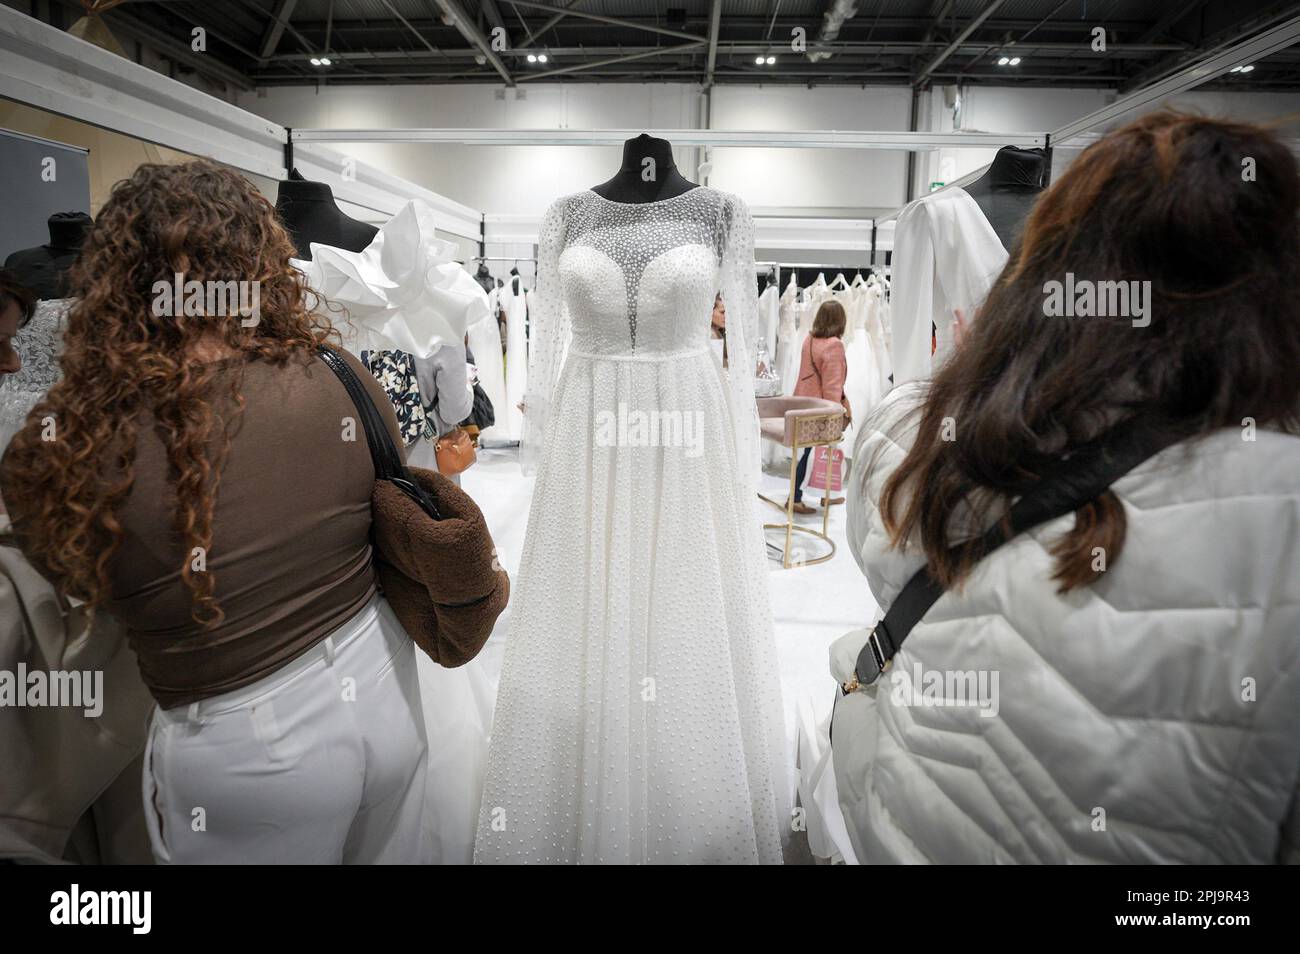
pixel 435 558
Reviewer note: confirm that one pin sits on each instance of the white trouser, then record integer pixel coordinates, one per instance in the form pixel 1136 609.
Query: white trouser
pixel 322 762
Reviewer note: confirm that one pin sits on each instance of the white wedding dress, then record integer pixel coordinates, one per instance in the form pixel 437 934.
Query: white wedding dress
pixel 639 715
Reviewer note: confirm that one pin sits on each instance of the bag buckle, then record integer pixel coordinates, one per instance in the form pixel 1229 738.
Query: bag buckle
pixel 880 661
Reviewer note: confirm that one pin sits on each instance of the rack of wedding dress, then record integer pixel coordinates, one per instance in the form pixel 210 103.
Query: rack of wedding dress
pixel 866 338
pixel 502 360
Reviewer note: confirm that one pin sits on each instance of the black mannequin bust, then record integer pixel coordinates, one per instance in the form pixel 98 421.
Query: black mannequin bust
pixel 484 277
pixel 310 214
pixel 1006 192
pixel 44 269
pixel 648 173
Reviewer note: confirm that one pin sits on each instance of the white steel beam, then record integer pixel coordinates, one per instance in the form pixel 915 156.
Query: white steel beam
pixel 52 70
pixel 763 138
pixel 1285 34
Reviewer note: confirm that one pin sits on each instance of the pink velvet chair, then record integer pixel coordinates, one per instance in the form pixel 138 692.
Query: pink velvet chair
pixel 796 423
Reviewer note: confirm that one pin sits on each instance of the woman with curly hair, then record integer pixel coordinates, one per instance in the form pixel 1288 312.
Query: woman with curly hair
pixel 198 473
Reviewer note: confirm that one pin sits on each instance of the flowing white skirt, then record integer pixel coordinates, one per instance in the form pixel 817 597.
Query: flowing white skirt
pixel 639 713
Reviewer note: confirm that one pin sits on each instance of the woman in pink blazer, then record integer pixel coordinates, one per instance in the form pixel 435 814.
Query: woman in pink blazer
pixel 822 369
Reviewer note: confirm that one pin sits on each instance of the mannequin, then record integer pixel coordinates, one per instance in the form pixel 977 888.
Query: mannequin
pixel 484 277
pixel 648 173
pixel 44 268
pixel 1006 192
pixel 309 213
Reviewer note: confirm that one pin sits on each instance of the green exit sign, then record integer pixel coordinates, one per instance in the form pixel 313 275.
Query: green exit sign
pixel 936 185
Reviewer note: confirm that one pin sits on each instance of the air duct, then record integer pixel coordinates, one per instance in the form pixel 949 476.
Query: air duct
pixel 840 12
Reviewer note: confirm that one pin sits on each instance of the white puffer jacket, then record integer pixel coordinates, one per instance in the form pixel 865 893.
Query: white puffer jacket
pixel 1151 717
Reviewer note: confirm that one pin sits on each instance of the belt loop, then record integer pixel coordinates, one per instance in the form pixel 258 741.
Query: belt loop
pixel 329 650
pixel 192 714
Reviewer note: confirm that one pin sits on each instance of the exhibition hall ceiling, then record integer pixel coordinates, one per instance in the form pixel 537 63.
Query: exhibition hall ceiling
pixel 915 43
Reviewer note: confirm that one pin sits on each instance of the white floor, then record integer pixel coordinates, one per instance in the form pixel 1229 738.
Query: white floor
pixel 811 605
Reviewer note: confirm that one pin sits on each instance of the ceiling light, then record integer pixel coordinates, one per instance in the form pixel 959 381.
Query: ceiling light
pixel 771 60
pixel 315 61
pixel 1003 61
pixel 1015 61
pixel 532 57
pixel 1247 69
pixel 541 57
pixel 324 61
pixel 759 61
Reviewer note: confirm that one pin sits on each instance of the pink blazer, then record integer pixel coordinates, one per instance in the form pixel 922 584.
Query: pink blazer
pixel 822 368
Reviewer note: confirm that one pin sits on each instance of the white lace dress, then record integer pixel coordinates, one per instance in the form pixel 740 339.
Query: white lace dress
pixel 39 344
pixel 639 713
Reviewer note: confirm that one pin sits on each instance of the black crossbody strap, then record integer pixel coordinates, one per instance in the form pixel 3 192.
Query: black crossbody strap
pixel 1084 476
pixel 384 455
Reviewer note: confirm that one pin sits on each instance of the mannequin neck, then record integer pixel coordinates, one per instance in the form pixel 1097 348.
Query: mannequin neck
pixel 647 174
pixel 68 229
pixel 1018 170
pixel 310 214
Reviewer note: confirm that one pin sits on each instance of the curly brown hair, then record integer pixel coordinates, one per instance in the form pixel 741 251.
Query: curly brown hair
pixel 72 463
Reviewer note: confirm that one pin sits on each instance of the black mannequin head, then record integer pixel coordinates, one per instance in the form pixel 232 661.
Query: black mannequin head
pixel 44 269
pixel 648 173
pixel 68 230
pixel 1007 190
pixel 310 214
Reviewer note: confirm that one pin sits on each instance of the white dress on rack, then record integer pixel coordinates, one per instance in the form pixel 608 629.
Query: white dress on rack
pixel 484 341
pixel 946 257
pixel 862 384
pixel 639 715
pixel 510 420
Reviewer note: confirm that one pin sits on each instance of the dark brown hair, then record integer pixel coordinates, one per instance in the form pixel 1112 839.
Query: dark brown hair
pixel 12 290
pixel 830 320
pixel 122 357
pixel 1206 211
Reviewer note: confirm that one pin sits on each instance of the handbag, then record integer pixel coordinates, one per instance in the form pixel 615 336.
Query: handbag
pixel 827 470
pixel 454 452
pixel 434 556
pixel 1083 476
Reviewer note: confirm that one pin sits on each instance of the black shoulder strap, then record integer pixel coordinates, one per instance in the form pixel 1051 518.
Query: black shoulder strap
pixel 1084 476
pixel 384 455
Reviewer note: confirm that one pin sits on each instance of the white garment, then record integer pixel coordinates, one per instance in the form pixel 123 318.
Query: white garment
pixel 862 383
pixel 510 419
pixel 321 762
pixel 769 314
pixel 39 344
pixel 403 292
pixel 1124 696
pixel 946 256
pixel 639 714
pixel 485 342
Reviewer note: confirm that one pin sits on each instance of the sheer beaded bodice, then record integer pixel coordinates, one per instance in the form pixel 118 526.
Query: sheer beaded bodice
pixel 641 277
pixel 637 281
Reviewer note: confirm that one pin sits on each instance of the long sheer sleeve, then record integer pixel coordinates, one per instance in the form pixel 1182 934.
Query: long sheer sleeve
pixel 740 295
pixel 548 337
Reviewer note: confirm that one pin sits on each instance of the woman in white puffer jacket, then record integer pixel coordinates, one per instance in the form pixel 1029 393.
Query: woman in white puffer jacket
pixel 1121 684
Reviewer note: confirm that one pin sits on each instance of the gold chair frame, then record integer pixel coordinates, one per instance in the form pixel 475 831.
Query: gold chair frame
pixel 809 431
